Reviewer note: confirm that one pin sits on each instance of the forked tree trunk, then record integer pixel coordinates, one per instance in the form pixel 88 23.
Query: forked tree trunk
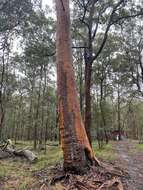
pixel 75 144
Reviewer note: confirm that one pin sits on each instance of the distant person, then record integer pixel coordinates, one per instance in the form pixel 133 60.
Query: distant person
pixel 117 137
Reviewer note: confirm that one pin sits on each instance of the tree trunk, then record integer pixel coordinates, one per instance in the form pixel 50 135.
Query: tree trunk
pixel 81 82
pixel 88 57
pixel 30 117
pixel 119 113
pixel 102 102
pixel 2 114
pixel 88 73
pixel 75 144
pixel 35 137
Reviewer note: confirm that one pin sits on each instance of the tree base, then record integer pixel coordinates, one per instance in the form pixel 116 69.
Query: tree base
pixel 108 178
pixel 76 169
pixel 80 162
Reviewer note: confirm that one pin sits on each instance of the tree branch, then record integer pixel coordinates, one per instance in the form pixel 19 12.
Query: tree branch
pixel 128 16
pixel 111 22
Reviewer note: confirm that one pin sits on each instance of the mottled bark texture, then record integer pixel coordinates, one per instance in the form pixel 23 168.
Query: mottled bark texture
pixel 77 151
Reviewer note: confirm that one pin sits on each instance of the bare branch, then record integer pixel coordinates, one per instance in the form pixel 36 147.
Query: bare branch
pixel 129 16
pixel 110 23
pixel 97 23
pixel 79 47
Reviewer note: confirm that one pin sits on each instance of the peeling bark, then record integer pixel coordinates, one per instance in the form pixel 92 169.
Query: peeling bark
pixel 78 153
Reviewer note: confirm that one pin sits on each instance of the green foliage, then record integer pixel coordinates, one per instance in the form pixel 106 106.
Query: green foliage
pixel 14 13
pixel 139 147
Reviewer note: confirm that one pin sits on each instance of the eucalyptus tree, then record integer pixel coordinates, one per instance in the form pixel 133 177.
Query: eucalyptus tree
pixel 75 144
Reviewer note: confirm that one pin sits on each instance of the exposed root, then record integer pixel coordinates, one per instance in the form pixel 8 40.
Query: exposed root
pixel 109 169
pixel 97 178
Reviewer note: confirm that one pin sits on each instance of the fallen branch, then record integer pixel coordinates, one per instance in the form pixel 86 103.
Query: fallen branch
pixel 110 183
pixel 80 185
pixel 52 144
pixel 58 178
pixel 112 170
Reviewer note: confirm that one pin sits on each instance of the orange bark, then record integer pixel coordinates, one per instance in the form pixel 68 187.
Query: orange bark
pixel 75 144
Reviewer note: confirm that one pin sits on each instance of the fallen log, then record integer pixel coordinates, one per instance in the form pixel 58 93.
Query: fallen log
pixel 10 151
pixel 4 154
pixel 27 154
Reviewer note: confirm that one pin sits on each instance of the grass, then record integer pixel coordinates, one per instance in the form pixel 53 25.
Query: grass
pixel 52 156
pixel 21 172
pixel 106 153
pixel 136 147
pixel 139 147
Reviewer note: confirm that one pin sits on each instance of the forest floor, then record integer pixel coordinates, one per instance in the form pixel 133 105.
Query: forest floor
pixel 18 174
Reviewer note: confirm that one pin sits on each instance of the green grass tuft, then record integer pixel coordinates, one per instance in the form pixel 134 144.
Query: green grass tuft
pixel 106 153
pixel 139 147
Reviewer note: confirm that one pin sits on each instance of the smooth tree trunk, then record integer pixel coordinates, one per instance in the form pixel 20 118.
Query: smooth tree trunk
pixel 37 112
pixel 88 73
pixel 102 102
pixel 2 113
pixel 78 153
pixel 88 58
pixel 119 111
pixel 30 116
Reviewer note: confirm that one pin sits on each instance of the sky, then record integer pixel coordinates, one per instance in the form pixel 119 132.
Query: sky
pixel 48 2
pixel 51 4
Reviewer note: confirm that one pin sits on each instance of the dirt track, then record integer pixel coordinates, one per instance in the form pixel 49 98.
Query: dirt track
pixel 131 160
